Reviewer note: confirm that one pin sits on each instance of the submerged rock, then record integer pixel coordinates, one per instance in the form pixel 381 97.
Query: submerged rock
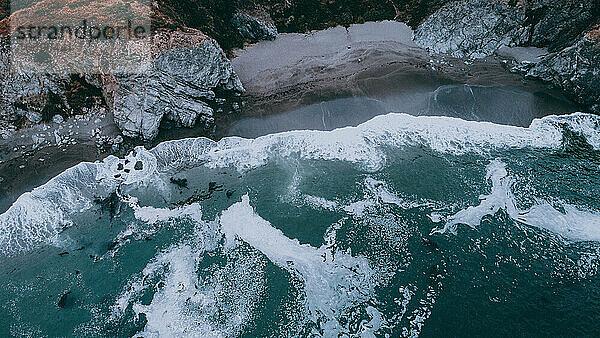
pixel 65 300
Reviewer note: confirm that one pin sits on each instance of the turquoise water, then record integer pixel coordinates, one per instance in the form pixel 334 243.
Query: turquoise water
pixel 403 226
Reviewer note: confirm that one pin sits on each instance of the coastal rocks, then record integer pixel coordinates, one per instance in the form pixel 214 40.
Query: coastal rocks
pixel 477 28
pixel 472 28
pixel 557 24
pixel 180 86
pixel 575 69
pixel 188 73
pixel 255 28
pixel 28 98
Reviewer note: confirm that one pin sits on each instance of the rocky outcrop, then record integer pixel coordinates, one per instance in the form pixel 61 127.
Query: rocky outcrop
pixel 255 27
pixel 181 86
pixel 557 24
pixel 27 99
pixel 472 28
pixel 478 28
pixel 575 69
pixel 189 78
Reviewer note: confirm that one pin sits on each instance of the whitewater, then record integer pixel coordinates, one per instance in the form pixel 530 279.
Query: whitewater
pixel 384 229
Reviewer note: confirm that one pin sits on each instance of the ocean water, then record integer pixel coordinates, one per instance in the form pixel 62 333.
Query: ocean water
pixel 402 226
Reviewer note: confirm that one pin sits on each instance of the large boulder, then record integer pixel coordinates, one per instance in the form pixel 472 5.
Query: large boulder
pixel 180 86
pixel 255 27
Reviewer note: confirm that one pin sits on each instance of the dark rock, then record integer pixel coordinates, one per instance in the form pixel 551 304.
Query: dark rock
pixel 112 245
pixel 255 27
pixel 139 165
pixel 180 182
pixel 110 204
pixel 65 300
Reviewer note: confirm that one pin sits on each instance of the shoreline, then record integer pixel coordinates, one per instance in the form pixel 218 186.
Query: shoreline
pixel 374 61
pixel 379 61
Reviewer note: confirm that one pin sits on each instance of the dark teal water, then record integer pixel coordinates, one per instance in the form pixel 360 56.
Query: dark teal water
pixel 343 233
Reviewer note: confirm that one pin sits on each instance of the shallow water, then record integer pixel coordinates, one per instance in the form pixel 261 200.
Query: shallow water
pixel 502 104
pixel 401 226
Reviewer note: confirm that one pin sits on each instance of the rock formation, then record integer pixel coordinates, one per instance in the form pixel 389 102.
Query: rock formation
pixel 478 28
pixel 472 28
pixel 575 69
pixel 189 77
pixel 188 69
pixel 255 27
pixel 27 99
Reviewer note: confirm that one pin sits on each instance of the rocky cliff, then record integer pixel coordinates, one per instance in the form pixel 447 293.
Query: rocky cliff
pixel 27 99
pixel 566 28
pixel 575 69
pixel 190 79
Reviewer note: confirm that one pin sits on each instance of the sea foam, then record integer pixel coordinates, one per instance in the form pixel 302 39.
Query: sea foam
pixel 38 216
pixel 334 282
pixel 573 223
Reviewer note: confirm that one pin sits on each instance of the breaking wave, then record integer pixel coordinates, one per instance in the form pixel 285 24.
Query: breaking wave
pixel 39 216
